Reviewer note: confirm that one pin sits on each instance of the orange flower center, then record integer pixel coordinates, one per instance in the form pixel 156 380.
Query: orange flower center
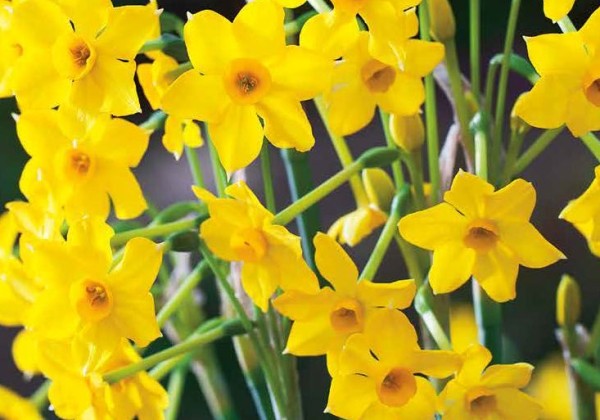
pixel 592 92
pixel 250 245
pixel 247 81
pixel 481 402
pixel 17 51
pixel 78 165
pixel 73 56
pixel 92 299
pixel 482 235
pixel 347 316
pixel 397 387
pixel 378 77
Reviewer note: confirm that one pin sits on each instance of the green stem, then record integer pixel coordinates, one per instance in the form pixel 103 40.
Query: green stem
pixel 488 314
pixel 593 144
pixel 175 391
pixel 265 167
pixel 396 166
pixel 514 148
pixel 40 397
pixel 183 292
pixel 156 121
pixel 320 6
pixel 387 234
pixel 593 348
pixel 410 257
pixel 227 328
pixel 195 168
pixel 458 94
pixel 481 154
pixel 160 43
pixel 503 83
pixel 343 151
pixel 538 146
pixel 218 171
pixel 566 25
pixel 433 140
pixel 474 48
pixel 415 169
pixel 429 307
pixel 154 231
pixel 174 74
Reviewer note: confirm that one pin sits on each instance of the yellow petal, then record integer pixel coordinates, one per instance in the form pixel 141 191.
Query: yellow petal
pixel 350 396
pixel 238 137
pixel 589 31
pixel 89 18
pixel 40 134
pixel 127 29
pixel 545 52
pixel 335 265
pixel 436 363
pixel 529 246
pixel 475 359
pixel 515 202
pixel 453 264
pixel 351 108
pixel 496 272
pixel 422 56
pixel 467 194
pixel 553 90
pixel 124 190
pixel 260 282
pixel 301 73
pixel 286 124
pixel 53 316
pixel 138 268
pixel 301 306
pixel 258 28
pixel 311 337
pixel 173 137
pixel 135 318
pixel 70 396
pixel 217 235
pixel 434 227
pixel 38 23
pixel 25 352
pixel 200 33
pixel 398 294
pixel 513 401
pixel 586 205
pixel 294 272
pixel 330 33
pixel 421 406
pixel 122 142
pixel 356 358
pixel 557 9
pixel 391 336
pixel 144 74
pixel 582 115
pixel 516 375
pixel 379 187
pixel 404 97
pixel 90 239
pixel 196 97
pixel 88 199
pixel 192 136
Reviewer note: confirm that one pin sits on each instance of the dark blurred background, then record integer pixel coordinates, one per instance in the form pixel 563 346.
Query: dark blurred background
pixel 560 174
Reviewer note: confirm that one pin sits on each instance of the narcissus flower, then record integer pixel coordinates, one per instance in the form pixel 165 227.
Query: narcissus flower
pixel 571 85
pixel 15 407
pixel 243 72
pixel 480 232
pixel 324 320
pixel 78 390
pixel 584 213
pixel 155 80
pixel 10 49
pixel 377 377
pixel 241 229
pixel 84 55
pixel 476 393
pixel 557 9
pixel 85 160
pixel 362 82
pixel 84 297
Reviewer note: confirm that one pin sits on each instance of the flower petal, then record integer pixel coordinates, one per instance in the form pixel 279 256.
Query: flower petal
pixel 330 33
pixel 496 271
pixel 238 137
pixel 529 246
pixel 350 396
pixel 335 265
pixel 259 30
pixel 467 194
pixel 122 142
pixel 422 56
pixel 582 115
pixel 139 267
pixel 516 375
pixel 545 52
pixel 510 401
pixel 404 97
pixel 433 227
pixel 124 190
pixel 475 360
pixel 286 124
pixel 350 107
pixel 515 202
pixel 398 294
pixel 311 337
pixel 557 9
pixel 301 306
pixel 453 264
pixel 436 363
pixel 40 134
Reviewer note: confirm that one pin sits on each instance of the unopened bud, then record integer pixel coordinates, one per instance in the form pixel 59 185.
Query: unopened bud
pixel 408 132
pixel 379 156
pixel 568 302
pixel 441 18
pixel 517 124
pixel 379 187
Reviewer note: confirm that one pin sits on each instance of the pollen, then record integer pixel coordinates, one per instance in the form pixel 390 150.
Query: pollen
pixel 80 163
pixel 81 54
pixel 247 81
pixel 92 300
pixel 482 235
pixel 397 387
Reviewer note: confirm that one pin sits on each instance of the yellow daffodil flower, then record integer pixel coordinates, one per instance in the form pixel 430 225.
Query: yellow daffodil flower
pixel 84 297
pixel 557 9
pixel 325 319
pixel 85 161
pixel 79 52
pixel 480 232
pixel 240 229
pixel 155 80
pixel 569 66
pixel 243 72
pixel 362 82
pixel 15 407
pixel 583 214
pixel 78 390
pixel 476 393
pixel 377 372
pixel 355 226
pixel 10 49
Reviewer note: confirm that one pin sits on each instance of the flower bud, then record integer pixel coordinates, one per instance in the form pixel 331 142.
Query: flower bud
pixel 379 187
pixel 441 18
pixel 517 124
pixel 568 302
pixel 408 132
